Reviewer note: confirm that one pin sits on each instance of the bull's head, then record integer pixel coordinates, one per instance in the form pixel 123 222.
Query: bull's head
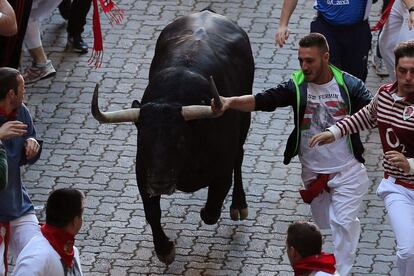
pixel 190 112
pixel 162 139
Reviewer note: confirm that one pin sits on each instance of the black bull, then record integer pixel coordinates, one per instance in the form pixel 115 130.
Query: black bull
pixel 180 145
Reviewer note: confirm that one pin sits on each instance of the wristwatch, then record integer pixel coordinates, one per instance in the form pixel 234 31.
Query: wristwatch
pixel 411 9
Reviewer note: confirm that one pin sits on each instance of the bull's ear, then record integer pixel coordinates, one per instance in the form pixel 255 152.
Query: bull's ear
pixel 136 104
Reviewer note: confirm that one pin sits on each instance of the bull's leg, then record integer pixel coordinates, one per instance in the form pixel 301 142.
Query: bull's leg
pixel 217 192
pixel 163 246
pixel 238 208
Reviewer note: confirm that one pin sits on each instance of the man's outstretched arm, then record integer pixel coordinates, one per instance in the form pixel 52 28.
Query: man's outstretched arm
pixel 246 103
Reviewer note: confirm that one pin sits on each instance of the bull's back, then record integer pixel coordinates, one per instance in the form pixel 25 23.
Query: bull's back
pixel 217 31
pixel 209 44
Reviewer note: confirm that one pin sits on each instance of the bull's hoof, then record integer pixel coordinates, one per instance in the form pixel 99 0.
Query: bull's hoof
pixel 239 214
pixel 210 220
pixel 167 259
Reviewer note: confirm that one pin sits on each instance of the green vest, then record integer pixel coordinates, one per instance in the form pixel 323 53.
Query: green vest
pixel 301 99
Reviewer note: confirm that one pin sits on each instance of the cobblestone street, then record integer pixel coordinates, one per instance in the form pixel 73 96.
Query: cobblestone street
pixel 99 159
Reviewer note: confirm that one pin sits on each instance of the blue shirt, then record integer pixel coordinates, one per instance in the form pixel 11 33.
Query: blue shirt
pixel 342 12
pixel 15 201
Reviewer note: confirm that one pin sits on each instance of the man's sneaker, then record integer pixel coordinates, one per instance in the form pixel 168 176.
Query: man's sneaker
pixel 39 71
pixel 379 66
pixel 76 44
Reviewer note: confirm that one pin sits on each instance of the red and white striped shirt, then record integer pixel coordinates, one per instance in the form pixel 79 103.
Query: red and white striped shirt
pixel 394 117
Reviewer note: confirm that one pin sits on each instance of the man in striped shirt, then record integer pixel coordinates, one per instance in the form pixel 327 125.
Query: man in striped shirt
pixel 392 111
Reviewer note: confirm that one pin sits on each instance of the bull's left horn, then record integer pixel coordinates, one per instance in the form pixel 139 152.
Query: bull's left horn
pixel 193 112
pixel 126 115
pixel 215 94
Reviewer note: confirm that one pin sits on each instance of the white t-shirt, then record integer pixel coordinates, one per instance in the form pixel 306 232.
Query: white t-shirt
pixel 325 106
pixel 38 258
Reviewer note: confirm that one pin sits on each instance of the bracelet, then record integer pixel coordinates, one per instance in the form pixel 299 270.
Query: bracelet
pixel 411 9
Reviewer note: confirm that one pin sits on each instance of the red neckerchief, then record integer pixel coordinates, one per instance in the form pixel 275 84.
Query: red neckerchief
pixel 115 15
pixel 9 116
pixel 61 241
pixel 6 239
pixel 384 17
pixel 323 262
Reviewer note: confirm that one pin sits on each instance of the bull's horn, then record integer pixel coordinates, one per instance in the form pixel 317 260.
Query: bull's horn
pixel 126 115
pixel 215 94
pixel 193 112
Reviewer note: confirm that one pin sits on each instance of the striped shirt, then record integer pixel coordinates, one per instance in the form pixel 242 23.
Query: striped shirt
pixel 394 117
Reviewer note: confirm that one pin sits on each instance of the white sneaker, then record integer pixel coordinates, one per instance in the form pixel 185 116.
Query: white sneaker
pixel 379 66
pixel 38 72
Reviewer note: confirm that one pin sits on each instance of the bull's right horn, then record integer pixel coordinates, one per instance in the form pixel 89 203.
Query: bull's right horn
pixel 194 112
pixel 126 115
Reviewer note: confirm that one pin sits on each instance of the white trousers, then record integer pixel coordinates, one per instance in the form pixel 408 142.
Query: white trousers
pixel 338 211
pixel 394 31
pixel 399 202
pixel 2 249
pixel 21 232
pixel 40 9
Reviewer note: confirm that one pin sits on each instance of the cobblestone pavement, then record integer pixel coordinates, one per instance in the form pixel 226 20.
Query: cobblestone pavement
pixel 99 159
